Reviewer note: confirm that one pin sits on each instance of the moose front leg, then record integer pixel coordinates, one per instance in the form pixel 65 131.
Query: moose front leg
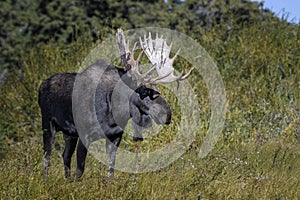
pixel 81 156
pixel 70 145
pixel 112 145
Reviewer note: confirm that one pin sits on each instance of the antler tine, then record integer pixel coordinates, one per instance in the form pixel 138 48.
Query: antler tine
pixel 149 71
pixel 176 54
pixel 135 71
pixel 133 48
pixel 139 56
pixel 187 74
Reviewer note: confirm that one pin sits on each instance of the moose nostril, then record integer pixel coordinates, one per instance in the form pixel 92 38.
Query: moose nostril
pixel 167 120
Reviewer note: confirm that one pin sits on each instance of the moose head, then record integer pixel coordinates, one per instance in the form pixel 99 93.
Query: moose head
pixel 158 53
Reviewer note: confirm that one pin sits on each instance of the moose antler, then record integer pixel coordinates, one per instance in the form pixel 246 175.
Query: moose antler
pixel 128 60
pixel 126 56
pixel 158 53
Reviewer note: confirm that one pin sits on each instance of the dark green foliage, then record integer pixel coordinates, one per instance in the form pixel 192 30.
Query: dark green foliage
pixel 31 23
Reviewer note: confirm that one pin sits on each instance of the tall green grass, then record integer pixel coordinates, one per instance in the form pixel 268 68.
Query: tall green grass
pixel 257 156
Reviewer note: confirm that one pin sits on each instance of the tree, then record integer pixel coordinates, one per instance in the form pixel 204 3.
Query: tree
pixel 29 23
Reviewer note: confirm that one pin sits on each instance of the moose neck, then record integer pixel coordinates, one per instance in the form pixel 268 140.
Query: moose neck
pixel 127 79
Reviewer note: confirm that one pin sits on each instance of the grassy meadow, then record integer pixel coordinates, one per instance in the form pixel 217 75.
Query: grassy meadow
pixel 256 157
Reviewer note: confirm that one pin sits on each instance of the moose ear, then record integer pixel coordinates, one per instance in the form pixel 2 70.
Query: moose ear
pixel 154 94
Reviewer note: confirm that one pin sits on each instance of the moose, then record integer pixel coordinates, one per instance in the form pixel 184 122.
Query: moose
pixel 145 102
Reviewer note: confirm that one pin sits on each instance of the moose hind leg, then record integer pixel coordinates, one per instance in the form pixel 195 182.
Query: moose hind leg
pixel 112 145
pixel 48 139
pixel 70 145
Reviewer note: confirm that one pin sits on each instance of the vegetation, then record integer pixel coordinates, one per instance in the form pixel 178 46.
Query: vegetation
pixel 31 23
pixel 258 154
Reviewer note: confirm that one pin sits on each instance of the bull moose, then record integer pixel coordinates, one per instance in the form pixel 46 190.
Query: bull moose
pixel 145 102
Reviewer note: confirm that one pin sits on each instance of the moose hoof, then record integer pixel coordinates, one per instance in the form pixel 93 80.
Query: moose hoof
pixel 110 174
pixel 138 139
pixel 67 174
pixel 78 173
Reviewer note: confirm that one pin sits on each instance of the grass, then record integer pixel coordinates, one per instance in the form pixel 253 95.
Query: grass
pixel 257 156
pixel 240 171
